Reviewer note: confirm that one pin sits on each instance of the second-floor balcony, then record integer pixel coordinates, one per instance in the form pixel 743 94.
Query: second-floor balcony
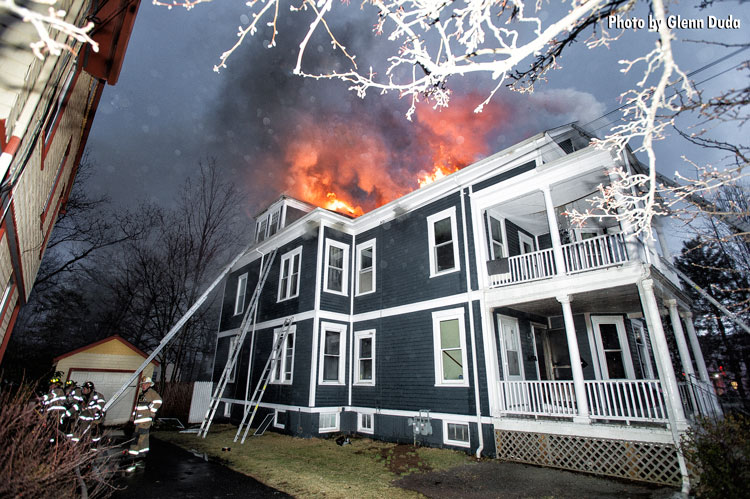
pixel 590 254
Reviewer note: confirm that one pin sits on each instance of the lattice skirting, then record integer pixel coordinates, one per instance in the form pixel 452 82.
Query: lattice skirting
pixel 645 461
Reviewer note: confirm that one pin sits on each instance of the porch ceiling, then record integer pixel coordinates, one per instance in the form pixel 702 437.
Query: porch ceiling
pixel 617 300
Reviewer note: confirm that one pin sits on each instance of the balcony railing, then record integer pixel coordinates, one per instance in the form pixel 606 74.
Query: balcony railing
pixel 595 253
pixel 626 400
pixel 698 400
pixel 590 254
pixel 616 400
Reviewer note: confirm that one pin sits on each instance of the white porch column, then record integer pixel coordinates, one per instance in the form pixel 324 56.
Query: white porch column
pixel 575 361
pixel 661 354
pixel 679 334
pixel 702 371
pixel 554 231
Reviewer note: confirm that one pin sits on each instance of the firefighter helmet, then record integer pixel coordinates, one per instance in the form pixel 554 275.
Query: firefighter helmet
pixel 70 383
pixel 89 385
pixel 55 381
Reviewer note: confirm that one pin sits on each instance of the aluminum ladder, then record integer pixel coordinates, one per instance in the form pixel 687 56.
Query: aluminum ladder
pixel 260 389
pixel 236 347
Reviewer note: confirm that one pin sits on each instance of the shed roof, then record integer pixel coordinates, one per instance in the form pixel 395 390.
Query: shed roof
pixel 114 337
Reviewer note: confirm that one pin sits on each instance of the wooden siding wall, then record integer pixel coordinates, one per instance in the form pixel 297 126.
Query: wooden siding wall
pixel 30 194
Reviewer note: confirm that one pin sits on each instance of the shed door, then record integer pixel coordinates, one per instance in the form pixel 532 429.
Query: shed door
pixel 107 383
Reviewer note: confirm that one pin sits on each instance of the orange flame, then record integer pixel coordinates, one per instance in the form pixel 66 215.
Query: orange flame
pixel 342 206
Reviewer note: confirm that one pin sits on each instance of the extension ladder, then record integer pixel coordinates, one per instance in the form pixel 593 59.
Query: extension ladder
pixel 260 389
pixel 236 346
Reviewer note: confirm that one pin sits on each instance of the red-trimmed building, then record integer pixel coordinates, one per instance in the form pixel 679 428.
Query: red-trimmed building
pixel 46 110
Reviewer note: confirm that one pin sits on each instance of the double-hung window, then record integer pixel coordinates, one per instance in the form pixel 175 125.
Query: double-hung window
pixel 366 267
pixel 443 241
pixel 332 348
pixel 284 367
pixel 451 368
pixel 273 226
pixel 239 301
pixel 289 275
pixel 496 238
pixel 364 355
pixel 337 261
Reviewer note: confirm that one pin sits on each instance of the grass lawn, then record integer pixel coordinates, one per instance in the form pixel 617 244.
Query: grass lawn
pixel 304 467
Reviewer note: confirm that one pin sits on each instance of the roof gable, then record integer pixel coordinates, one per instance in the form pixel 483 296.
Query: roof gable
pixel 113 345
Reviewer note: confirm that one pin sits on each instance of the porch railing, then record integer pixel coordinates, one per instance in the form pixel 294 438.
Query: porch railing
pixel 527 267
pixel 590 254
pixel 618 400
pixel 626 400
pixel 698 400
pixel 595 253
pixel 538 398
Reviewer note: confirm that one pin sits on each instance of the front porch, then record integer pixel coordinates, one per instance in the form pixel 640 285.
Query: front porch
pixel 585 376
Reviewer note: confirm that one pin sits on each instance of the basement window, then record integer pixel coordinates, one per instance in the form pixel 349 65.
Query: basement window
pixel 329 421
pixel 279 420
pixel 365 422
pixel 456 433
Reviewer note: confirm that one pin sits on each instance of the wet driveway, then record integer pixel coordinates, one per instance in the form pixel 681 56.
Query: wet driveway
pixel 172 472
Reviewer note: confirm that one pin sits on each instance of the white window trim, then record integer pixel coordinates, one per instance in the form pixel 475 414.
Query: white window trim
pixel 358 268
pixel 459 443
pixel 358 335
pixel 239 305
pixel 523 238
pixel 622 336
pixel 639 330
pixel 341 329
pixel 276 333
pixel 449 213
pixel 344 271
pixel 332 428
pixel 290 256
pixel 360 426
pixel 437 318
pixel 502 241
pixel 232 341
pixel 276 420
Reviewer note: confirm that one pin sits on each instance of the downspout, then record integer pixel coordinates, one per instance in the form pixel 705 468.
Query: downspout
pixel 250 364
pixel 316 317
pixel 471 327
pixel 351 316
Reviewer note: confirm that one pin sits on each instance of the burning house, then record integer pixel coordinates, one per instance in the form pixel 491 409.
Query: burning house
pixel 470 314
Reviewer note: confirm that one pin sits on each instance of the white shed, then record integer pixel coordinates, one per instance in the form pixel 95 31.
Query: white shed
pixel 108 363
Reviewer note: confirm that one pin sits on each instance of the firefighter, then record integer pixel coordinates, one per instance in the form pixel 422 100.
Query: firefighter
pixel 143 416
pixel 92 413
pixel 53 402
pixel 74 401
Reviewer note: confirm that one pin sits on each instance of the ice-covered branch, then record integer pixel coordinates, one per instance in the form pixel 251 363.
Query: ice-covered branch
pixel 47 24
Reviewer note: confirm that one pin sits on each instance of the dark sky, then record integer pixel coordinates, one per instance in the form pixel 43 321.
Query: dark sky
pixel 272 131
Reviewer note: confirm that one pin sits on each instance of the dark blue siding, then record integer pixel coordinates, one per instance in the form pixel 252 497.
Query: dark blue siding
pixel 331 301
pixel 228 319
pixel 504 176
pixel 405 367
pixel 511 233
pixel 403 265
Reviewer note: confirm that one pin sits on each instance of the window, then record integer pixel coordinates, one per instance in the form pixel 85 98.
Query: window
pixel 273 227
pixel 332 348
pixel 239 301
pixel 329 421
pixel 227 409
pixel 279 420
pixel 260 233
pixel 289 275
pixel 611 341
pixel 366 267
pixel 337 260
pixel 284 367
pixel 450 349
pixel 232 345
pixel 441 229
pixel 62 98
pixel 496 238
pixel 364 355
pixel 364 422
pixel 455 433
